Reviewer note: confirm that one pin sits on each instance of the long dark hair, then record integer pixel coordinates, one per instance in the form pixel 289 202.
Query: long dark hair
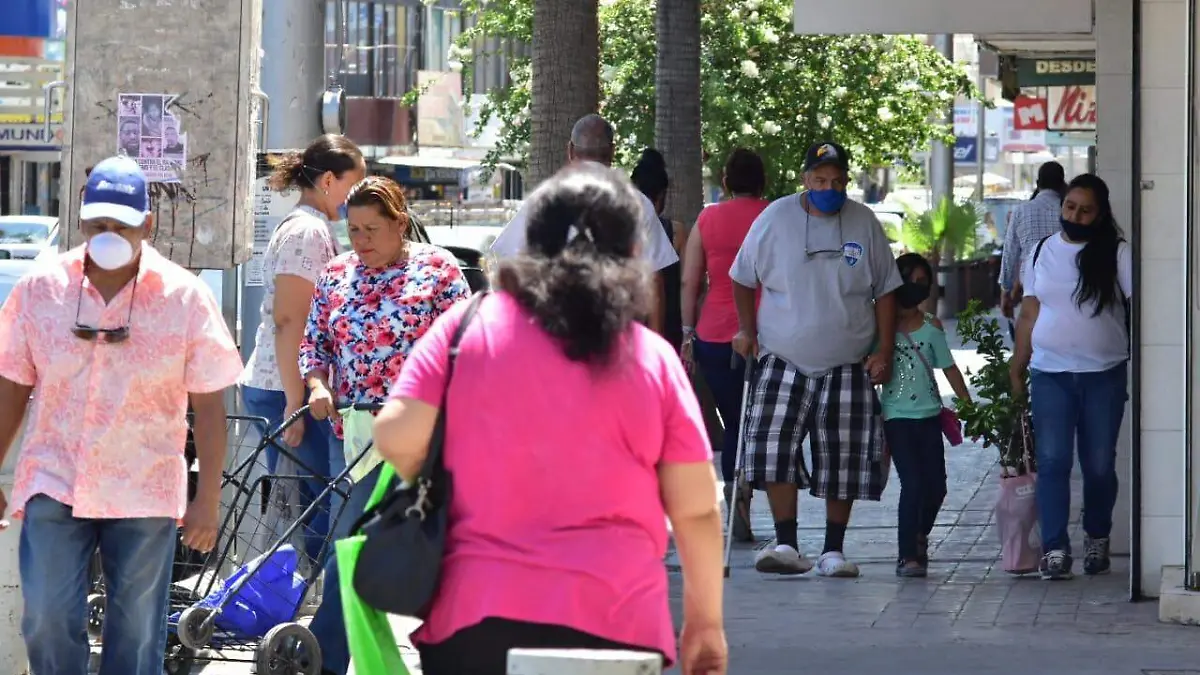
pixel 579 276
pixel 650 174
pixel 302 169
pixel 1097 260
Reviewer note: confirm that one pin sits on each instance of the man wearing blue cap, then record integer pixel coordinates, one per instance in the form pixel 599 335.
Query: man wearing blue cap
pixel 822 337
pixel 104 348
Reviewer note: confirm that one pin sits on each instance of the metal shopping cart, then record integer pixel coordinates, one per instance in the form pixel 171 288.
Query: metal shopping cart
pixel 265 530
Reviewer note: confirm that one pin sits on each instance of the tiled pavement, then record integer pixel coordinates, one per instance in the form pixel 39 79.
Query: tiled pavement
pixel 967 617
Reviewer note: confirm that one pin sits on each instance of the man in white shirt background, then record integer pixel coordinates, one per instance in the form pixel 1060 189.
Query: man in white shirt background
pixel 592 140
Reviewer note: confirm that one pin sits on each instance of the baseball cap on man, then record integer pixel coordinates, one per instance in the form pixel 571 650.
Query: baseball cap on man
pixel 116 188
pixel 827 152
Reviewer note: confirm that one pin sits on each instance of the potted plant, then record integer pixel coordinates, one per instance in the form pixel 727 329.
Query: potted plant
pixel 995 412
pixel 942 233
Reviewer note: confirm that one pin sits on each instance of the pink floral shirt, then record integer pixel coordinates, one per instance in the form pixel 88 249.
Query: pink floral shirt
pixel 106 427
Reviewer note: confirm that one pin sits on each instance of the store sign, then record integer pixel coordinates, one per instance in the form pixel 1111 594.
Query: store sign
pixel 31 136
pixel 1055 72
pixel 29 18
pixel 966 150
pixel 1071 108
pixel 1029 114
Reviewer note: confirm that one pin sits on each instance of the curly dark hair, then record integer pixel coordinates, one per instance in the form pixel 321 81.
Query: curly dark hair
pixel 580 275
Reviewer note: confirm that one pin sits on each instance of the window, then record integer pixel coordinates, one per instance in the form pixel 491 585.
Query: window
pixel 376 50
pixel 443 27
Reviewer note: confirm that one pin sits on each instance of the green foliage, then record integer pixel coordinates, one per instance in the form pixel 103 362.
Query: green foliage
pixel 951 226
pixel 994 412
pixel 762 86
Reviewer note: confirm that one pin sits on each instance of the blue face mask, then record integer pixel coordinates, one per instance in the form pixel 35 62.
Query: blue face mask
pixel 827 201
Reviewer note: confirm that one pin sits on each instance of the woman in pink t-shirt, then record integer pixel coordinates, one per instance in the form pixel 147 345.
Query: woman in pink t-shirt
pixel 572 430
pixel 708 344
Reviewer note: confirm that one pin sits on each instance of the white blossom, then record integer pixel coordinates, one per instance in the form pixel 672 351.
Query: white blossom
pixel 840 92
pixel 791 174
pixel 747 130
pixel 824 120
pixel 771 128
pixel 749 68
pixel 753 4
pixel 789 65
pixel 884 113
pixel 769 35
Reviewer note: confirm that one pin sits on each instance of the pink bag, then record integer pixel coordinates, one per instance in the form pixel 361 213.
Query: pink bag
pixel 951 427
pixel 1016 510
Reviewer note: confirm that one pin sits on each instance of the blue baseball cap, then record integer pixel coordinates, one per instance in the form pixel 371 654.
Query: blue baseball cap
pixel 116 188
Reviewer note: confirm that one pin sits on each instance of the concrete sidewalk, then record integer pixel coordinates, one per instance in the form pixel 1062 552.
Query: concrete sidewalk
pixel 967 617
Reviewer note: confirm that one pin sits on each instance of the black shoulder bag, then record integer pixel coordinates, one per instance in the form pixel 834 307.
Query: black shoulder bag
pixel 401 558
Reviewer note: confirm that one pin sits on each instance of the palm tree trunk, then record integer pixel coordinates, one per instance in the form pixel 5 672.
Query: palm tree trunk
pixel 566 79
pixel 677 106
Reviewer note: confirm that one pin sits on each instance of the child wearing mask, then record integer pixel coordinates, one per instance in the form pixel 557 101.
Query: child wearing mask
pixel 912 406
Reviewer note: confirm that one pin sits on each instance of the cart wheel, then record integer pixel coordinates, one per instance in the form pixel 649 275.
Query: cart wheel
pixel 195 631
pixel 95 621
pixel 288 649
pixel 178 659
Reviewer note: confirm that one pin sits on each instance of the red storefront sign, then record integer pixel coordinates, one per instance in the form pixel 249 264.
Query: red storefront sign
pixel 1072 108
pixel 1029 114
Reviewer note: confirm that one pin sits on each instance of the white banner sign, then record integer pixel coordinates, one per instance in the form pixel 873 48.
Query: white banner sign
pixel 1071 108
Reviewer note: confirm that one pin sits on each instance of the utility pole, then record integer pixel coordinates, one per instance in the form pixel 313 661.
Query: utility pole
pixel 293 79
pixel 941 181
pixel 981 127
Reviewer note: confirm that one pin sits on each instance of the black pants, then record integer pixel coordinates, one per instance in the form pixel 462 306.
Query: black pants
pixel 920 459
pixel 482 649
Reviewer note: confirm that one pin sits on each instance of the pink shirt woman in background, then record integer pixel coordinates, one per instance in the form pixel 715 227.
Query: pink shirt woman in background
pixel 572 431
pixel 708 344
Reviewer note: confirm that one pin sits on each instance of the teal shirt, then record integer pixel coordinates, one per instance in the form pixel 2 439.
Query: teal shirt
pixel 912 394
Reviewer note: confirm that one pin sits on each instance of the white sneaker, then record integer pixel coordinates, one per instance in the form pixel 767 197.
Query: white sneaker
pixel 782 559
pixel 834 564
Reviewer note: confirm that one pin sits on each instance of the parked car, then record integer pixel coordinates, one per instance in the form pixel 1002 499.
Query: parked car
pixel 24 237
pixel 472 245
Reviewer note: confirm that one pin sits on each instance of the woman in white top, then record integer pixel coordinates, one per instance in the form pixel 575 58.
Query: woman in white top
pixel 1073 336
pixel 300 247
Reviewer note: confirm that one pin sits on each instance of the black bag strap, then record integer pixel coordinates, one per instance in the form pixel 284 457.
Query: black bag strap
pixel 433 461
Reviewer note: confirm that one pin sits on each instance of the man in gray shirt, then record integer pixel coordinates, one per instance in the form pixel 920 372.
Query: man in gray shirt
pixel 827 274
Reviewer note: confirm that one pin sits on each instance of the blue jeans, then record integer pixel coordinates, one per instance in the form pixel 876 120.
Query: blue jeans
pixel 920 459
pixel 1069 410
pixel 313 452
pixel 723 371
pixel 55 551
pixel 328 624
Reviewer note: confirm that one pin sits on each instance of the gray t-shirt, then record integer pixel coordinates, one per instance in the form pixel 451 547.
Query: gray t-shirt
pixel 819 278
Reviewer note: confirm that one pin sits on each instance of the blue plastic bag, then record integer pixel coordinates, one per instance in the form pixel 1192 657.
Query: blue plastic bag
pixel 270 596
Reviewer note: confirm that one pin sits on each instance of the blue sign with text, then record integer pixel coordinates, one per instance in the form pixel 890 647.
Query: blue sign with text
pixel 966 150
pixel 28 18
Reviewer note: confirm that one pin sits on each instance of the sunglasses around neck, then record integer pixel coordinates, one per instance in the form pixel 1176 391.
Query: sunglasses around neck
pixel 110 336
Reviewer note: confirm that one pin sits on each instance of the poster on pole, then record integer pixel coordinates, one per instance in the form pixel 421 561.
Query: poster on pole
pixel 150 133
pixel 270 208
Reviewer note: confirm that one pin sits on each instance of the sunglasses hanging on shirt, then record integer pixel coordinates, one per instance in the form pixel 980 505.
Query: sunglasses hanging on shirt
pixel 110 336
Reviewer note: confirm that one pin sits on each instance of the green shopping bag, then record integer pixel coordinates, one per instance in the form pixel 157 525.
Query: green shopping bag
pixel 373 647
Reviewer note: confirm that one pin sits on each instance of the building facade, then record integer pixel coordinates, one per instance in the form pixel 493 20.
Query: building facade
pixel 1146 98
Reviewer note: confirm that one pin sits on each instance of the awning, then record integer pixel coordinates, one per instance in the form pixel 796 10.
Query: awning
pixel 429 162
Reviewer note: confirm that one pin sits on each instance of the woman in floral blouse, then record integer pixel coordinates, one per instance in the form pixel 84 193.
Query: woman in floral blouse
pixel 369 308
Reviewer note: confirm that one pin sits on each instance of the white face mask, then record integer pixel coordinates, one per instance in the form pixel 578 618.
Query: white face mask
pixel 110 250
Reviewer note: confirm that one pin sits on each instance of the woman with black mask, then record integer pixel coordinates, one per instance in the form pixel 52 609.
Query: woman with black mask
pixel 912 406
pixel 1073 337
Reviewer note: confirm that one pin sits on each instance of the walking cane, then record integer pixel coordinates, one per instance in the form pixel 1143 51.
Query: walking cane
pixel 738 466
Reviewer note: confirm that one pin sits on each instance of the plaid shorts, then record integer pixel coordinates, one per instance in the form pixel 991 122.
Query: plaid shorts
pixel 839 411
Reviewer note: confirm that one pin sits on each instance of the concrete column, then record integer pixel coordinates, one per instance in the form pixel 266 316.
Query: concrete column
pixel 293 78
pixel 1112 161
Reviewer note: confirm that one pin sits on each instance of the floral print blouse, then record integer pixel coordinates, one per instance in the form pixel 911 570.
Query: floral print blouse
pixel 364 321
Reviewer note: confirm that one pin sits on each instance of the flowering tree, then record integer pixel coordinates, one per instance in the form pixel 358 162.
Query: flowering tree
pixel 763 86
